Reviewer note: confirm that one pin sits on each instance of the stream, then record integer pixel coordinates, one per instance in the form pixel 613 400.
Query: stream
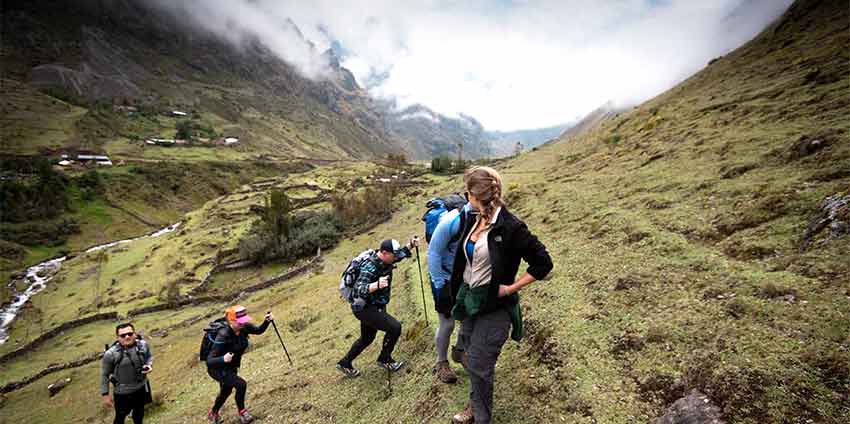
pixel 48 269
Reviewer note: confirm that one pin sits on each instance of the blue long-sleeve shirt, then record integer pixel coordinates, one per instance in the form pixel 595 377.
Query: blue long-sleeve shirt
pixel 441 249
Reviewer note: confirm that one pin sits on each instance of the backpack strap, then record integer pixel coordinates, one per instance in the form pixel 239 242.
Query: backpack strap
pixel 460 219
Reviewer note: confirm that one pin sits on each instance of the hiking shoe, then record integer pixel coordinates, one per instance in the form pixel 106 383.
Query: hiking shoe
pixel 391 365
pixel 245 417
pixel 347 370
pixel 445 373
pixel 214 417
pixel 464 417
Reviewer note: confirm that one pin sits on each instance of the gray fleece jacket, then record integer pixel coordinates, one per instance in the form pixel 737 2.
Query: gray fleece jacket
pixel 125 365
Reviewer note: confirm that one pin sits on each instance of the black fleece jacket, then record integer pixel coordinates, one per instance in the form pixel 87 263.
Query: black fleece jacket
pixel 509 242
pixel 226 340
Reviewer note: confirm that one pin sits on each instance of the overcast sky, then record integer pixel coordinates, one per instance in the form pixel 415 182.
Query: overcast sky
pixel 510 64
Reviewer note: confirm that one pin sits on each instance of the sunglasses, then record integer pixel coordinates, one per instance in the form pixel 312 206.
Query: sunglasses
pixel 125 335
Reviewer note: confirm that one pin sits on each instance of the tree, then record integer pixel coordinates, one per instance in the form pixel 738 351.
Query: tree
pixel 185 129
pixel 397 160
pixel 276 215
pixel 441 164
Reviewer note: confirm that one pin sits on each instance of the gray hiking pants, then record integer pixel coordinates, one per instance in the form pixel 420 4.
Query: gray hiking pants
pixel 484 335
pixel 444 336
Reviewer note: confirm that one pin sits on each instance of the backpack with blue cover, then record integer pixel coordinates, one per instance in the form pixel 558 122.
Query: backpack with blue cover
pixel 436 208
pixel 209 337
pixel 349 276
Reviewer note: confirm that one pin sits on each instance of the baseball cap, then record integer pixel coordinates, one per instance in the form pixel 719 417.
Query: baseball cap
pixel 391 245
pixel 237 313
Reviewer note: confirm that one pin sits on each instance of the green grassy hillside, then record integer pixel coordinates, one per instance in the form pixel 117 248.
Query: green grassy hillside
pixel 676 229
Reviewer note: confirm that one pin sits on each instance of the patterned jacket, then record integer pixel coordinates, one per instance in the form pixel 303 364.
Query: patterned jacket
pixel 370 271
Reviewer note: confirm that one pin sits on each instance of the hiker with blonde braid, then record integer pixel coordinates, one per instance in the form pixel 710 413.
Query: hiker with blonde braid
pixel 485 269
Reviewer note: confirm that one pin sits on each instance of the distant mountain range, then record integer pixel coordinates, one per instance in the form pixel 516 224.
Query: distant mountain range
pixel 504 143
pixel 124 52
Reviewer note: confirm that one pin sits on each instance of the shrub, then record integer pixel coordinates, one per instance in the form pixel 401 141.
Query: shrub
pixel 48 233
pixel 185 129
pixel 397 160
pixel 42 197
pixel 306 234
pixel 371 204
pixel 614 140
pixel 441 164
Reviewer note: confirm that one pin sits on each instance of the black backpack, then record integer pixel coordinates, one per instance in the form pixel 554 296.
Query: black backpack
pixel 124 354
pixel 436 208
pixel 210 332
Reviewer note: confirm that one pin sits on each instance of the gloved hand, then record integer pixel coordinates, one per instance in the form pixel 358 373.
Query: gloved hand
pixel 444 302
pixel 414 242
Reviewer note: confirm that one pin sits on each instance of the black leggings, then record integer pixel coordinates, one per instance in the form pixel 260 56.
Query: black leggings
pixel 372 319
pixel 227 381
pixel 134 402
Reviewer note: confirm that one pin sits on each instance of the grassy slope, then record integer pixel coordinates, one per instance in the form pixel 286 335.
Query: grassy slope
pixel 659 284
pixel 157 193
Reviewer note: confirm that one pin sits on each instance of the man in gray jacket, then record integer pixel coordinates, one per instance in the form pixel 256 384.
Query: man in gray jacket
pixel 126 365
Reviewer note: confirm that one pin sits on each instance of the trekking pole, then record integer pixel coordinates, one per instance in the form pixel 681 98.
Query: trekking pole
pixel 281 343
pixel 422 286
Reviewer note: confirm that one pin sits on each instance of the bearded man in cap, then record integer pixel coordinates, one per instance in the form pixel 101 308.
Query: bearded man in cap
pixel 370 297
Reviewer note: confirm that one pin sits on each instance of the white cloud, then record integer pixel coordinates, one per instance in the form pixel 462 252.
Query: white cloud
pixel 510 64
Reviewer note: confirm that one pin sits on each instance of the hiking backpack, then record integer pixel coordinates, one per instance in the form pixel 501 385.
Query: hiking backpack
pixel 349 276
pixel 436 208
pixel 210 332
pixel 142 345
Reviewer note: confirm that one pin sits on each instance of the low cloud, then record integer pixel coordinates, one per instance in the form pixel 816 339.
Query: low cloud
pixel 510 64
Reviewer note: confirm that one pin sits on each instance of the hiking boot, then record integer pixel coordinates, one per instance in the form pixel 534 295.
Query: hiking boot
pixel 214 417
pixel 445 373
pixel 464 417
pixel 391 365
pixel 347 370
pixel 245 417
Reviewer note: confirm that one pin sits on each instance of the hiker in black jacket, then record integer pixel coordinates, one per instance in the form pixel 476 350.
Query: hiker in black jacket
pixel 225 357
pixel 485 285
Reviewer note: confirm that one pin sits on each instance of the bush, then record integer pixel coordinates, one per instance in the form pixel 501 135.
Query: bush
pixel 48 233
pixel 185 129
pixel 188 129
pixel 441 164
pixel 307 233
pixel 11 251
pixel 460 166
pixel 397 160
pixel 358 209
pixel 42 197
pixel 614 140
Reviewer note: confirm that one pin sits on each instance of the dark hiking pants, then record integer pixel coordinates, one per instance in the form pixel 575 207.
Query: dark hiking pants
pixel 132 402
pixel 484 335
pixel 374 319
pixel 227 381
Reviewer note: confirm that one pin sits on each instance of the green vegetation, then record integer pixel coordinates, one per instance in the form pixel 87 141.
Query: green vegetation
pixel 189 130
pixel 441 164
pixel 678 266
pixel 279 236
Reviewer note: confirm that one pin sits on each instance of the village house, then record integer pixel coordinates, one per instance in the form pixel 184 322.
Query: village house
pixel 85 158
